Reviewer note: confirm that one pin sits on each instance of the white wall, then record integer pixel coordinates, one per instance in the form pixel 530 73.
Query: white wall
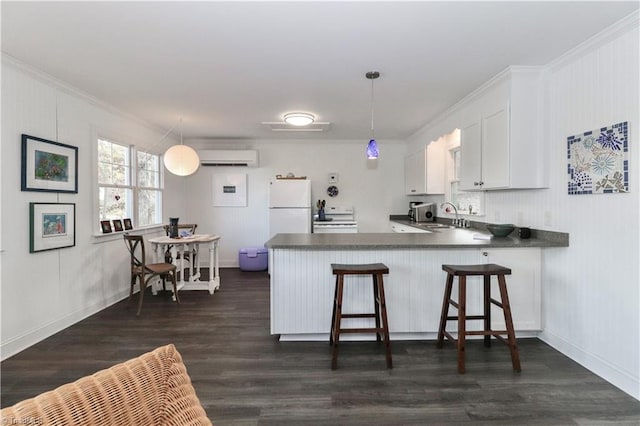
pixel 591 289
pixel 374 188
pixel 43 293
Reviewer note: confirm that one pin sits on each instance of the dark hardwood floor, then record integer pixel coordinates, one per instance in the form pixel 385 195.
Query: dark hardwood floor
pixel 244 376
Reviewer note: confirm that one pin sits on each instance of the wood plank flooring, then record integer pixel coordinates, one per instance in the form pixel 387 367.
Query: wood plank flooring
pixel 244 376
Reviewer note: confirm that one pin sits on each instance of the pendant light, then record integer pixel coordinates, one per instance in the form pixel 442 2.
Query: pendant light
pixel 372 147
pixel 181 160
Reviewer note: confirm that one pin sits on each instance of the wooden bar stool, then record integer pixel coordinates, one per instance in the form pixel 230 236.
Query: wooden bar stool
pixel 376 270
pixel 486 271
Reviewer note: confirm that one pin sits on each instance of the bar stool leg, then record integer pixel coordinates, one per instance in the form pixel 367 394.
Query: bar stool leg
pixel 487 309
pixel 462 320
pixel 333 314
pixel 336 333
pixel 511 335
pixel 385 324
pixel 376 305
pixel 445 310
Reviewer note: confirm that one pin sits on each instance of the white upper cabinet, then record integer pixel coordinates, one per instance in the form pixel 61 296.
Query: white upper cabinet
pixel 424 171
pixel 501 144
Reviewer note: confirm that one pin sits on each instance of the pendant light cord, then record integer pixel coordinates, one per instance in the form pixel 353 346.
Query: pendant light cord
pixel 372 103
pixel 171 130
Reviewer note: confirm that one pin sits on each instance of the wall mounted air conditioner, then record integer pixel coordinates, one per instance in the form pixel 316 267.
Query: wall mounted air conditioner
pixel 217 157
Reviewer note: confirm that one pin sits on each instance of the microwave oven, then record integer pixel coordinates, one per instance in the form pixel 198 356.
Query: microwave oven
pixel 425 212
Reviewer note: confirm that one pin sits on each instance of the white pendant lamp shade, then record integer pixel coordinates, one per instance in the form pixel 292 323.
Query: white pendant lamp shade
pixel 181 160
pixel 299 118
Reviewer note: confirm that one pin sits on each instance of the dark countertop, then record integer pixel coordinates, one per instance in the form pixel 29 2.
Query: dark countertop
pixel 446 238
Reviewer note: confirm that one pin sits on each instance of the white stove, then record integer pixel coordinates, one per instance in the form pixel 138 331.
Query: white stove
pixel 339 220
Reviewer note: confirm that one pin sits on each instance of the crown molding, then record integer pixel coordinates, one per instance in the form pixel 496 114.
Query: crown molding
pixel 73 91
pixel 623 26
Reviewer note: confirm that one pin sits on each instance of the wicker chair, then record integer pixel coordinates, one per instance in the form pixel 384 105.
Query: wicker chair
pixel 144 271
pixel 153 389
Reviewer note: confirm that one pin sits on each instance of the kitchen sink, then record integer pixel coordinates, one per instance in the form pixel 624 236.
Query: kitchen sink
pixel 435 226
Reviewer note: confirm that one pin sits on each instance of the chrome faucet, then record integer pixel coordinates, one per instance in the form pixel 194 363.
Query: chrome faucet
pixel 456 221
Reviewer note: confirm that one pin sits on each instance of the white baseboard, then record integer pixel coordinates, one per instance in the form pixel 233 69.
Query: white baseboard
pixel 620 379
pixel 30 338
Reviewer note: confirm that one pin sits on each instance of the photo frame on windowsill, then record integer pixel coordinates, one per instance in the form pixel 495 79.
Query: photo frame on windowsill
pixel 127 224
pixel 105 226
pixel 48 166
pixel 51 226
pixel 117 225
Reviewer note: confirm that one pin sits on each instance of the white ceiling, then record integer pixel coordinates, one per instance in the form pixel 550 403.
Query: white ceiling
pixel 225 67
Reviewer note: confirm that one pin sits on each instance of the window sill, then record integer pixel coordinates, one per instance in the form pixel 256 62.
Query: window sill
pixel 112 236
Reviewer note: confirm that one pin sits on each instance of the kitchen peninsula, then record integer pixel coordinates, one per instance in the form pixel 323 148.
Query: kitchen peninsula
pixel 302 285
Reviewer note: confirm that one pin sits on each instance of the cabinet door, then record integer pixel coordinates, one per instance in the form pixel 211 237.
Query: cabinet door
pixel 435 168
pixel 470 157
pixel 495 149
pixel 524 287
pixel 415 167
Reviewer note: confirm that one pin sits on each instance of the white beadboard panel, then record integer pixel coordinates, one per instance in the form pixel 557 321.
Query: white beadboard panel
pixel 302 289
pixel 590 290
pixel 43 293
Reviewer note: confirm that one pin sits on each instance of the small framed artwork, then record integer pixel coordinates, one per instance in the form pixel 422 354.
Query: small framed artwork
pixel 105 225
pixel 117 225
pixel 127 224
pixel 230 190
pixel 51 226
pixel 48 166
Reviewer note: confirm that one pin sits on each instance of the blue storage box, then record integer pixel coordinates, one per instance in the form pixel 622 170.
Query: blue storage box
pixel 253 259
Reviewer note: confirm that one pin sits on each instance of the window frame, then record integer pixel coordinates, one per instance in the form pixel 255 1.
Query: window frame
pixel 133 149
pixel 453 177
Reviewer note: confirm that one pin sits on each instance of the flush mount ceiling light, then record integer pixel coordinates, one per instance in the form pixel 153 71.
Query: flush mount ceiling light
pixel 372 147
pixel 181 160
pixel 299 118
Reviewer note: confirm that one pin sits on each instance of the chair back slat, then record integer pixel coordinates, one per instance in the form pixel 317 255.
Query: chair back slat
pixel 133 242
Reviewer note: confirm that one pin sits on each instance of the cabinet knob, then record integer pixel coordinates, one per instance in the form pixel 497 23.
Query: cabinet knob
pixel 481 183
pixel 413 190
pixel 476 183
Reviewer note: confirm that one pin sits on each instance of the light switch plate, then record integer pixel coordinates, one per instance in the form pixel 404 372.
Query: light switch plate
pixel 333 178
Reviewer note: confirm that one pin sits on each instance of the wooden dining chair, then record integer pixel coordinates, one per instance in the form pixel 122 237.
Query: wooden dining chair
pixel 144 271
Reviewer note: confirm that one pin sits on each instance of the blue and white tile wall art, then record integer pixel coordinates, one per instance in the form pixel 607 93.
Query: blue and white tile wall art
pixel 598 161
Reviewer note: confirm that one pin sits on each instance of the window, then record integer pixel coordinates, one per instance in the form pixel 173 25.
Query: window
pixel 149 190
pixel 128 189
pixel 471 203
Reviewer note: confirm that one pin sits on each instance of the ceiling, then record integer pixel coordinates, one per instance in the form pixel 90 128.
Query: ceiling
pixel 225 67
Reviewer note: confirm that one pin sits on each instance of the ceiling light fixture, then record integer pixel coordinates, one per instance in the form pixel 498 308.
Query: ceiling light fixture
pixel 372 147
pixel 181 160
pixel 299 118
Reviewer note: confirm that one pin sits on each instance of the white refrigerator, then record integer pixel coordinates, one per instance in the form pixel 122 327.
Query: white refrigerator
pixel 289 206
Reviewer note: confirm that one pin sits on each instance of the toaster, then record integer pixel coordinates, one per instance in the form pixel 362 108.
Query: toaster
pixel 425 212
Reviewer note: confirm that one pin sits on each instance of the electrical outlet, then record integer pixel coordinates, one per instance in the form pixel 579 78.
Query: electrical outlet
pixel 333 178
pixel 496 216
pixel 520 219
pixel 547 218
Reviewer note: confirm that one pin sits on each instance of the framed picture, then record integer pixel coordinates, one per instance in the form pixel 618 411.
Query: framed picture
pixel 127 224
pixel 105 225
pixel 52 226
pixel 117 225
pixel 48 166
pixel 230 190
